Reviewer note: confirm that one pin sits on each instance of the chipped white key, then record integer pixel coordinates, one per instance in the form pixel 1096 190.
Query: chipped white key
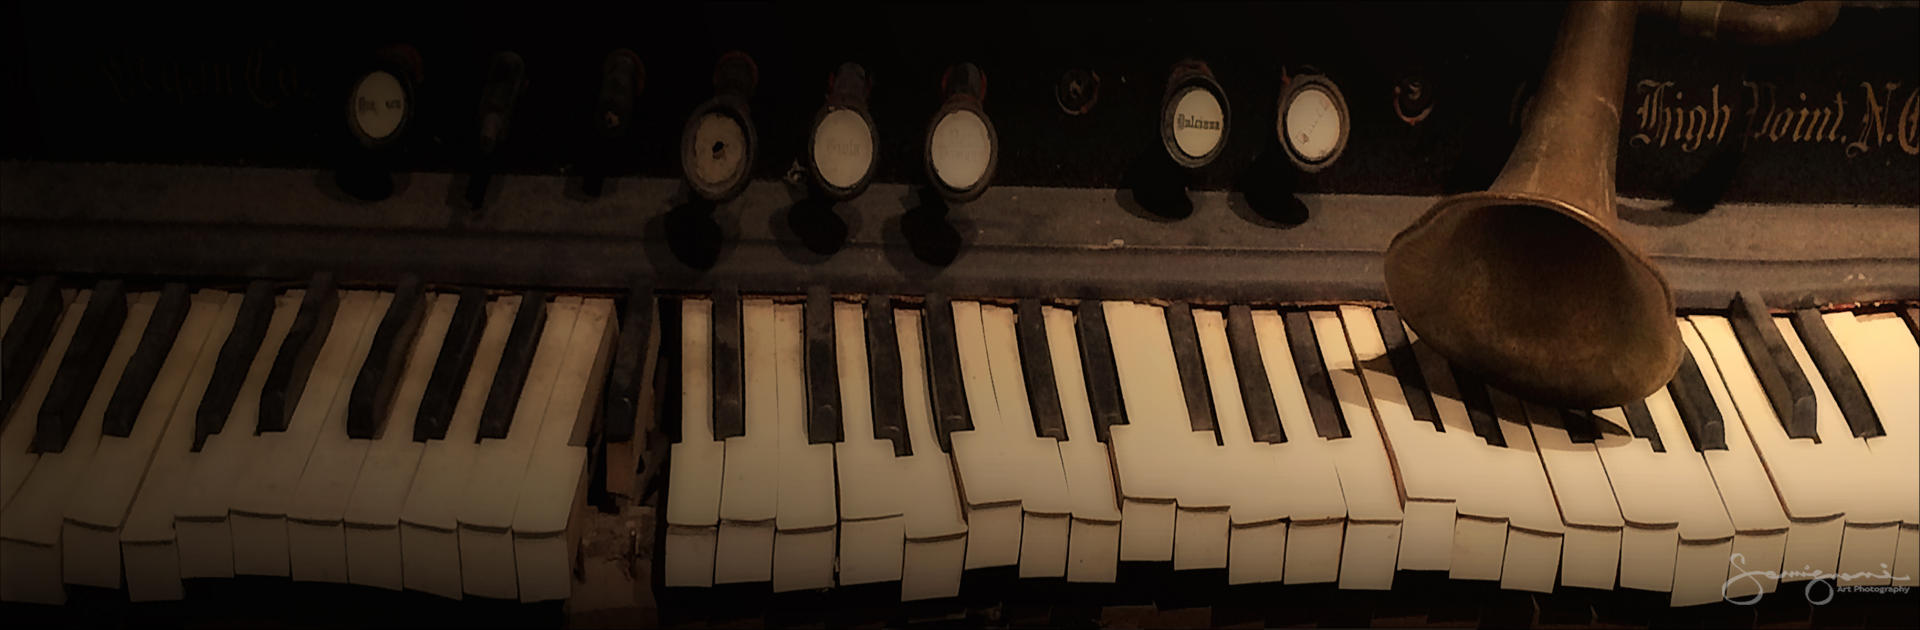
pixel 694 475
pixel 1759 521
pixel 1093 542
pixel 1045 504
pixel 546 530
pixel 872 481
pixel 806 512
pixel 749 494
pixel 1374 513
pixel 1316 524
pixel 936 531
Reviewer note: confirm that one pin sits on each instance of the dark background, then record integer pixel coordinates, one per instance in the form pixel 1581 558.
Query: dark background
pixel 264 85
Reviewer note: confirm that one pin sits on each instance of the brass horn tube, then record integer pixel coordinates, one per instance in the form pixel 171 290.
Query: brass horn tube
pixel 1527 284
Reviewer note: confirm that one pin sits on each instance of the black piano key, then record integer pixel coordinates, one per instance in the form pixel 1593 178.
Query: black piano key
pixel 729 379
pixel 1096 361
pixel 1307 360
pixel 1785 385
pixel 669 371
pixel 288 378
pixel 1036 365
pixel 1479 403
pixel 450 366
pixel 1640 424
pixel 27 337
pixel 1192 369
pixel 236 357
pixel 144 366
pixel 1406 368
pixel 1838 372
pixel 80 368
pixel 1579 426
pixel 1256 392
pixel 823 370
pixel 1912 315
pixel 884 384
pixel 950 411
pixel 516 359
pixel 372 395
pixel 1698 412
pixel 629 376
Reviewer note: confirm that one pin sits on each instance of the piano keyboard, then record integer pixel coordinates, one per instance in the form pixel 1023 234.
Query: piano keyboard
pixel 405 438
pixel 438 442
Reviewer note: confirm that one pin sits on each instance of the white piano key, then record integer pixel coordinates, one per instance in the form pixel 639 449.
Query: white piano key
pixel 94 517
pixel 429 520
pixel 873 483
pixel 1425 467
pixel 1591 549
pixel 372 517
pixel 1801 477
pixel 1045 502
pixel 201 526
pixel 147 546
pixel 545 532
pixel 16 438
pixel 264 492
pixel 936 532
pixel 316 536
pixel 1536 530
pixel 806 511
pixel 694 475
pixel 1316 523
pixel 30 528
pixel 1884 355
pixel 1093 540
pixel 1158 457
pixel 499 465
pixel 749 493
pixel 1759 521
pixel 1685 487
pixel 989 481
pixel 1368 555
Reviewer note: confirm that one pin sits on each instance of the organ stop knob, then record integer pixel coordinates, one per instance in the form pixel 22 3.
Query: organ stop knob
pixel 840 153
pixel 962 147
pixel 1194 115
pixel 718 144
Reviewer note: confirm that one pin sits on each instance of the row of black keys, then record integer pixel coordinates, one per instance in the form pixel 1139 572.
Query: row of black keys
pixel 26 340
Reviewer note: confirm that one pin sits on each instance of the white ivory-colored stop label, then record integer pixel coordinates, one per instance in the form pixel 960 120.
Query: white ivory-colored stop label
pixel 842 148
pixel 379 104
pixel 961 149
pixel 1197 123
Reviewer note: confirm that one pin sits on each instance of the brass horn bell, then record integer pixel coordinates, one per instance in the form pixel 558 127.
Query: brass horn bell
pixel 1527 284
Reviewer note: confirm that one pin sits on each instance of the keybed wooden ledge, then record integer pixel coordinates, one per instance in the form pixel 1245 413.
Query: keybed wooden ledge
pixel 240 222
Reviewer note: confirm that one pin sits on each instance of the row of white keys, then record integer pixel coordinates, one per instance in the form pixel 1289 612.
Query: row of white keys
pixel 1093 539
pixel 1869 511
pixel 263 493
pixel 1802 474
pixel 1278 483
pixel 1886 358
pixel 695 462
pixel 486 511
pixel 1158 459
pixel 1590 551
pixel 379 492
pixel 1374 514
pixel 1682 480
pixel 1507 526
pixel 936 527
pixel 16 438
pixel 429 519
pixel 94 517
pixel 1759 522
pixel 1428 477
pixel 30 528
pixel 201 527
pixel 545 532
pixel 1045 504
pixel 806 513
pixel 1317 525
pixel 749 492
pixel 147 546
pixel 872 481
